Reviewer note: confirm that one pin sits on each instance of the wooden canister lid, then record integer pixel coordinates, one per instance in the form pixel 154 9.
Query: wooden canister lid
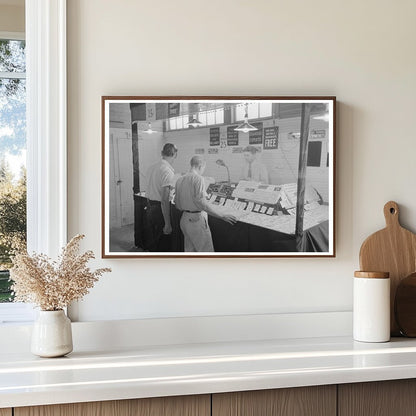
pixel 372 275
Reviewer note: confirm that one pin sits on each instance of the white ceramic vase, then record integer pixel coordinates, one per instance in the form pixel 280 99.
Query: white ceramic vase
pixel 52 334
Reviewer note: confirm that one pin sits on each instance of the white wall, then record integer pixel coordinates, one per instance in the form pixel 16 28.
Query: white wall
pixel 12 18
pixel 361 51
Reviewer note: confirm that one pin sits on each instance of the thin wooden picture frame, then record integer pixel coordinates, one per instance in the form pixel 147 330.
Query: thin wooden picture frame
pixel 293 144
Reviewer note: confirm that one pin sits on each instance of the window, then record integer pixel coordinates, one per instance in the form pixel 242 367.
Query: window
pixel 255 110
pixel 12 155
pixel 176 123
pixel 211 117
pixel 207 118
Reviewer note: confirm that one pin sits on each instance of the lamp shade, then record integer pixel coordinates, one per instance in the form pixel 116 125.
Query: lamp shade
pixel 324 116
pixel 149 129
pixel 194 122
pixel 245 127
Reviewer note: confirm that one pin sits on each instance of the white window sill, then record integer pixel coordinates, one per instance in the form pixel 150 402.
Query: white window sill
pixel 16 313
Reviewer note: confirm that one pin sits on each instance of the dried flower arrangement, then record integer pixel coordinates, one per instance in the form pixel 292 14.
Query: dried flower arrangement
pixel 52 285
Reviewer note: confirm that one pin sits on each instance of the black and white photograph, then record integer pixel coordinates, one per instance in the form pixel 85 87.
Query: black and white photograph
pixel 218 176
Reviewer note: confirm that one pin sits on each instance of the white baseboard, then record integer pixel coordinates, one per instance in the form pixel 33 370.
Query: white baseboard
pixel 110 335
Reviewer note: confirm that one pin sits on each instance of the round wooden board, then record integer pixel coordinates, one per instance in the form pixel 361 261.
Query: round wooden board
pixel 405 306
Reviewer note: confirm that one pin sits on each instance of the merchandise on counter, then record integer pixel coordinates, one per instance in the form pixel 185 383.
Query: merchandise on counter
pixel 289 196
pixel 371 306
pixel 222 189
pixel 259 204
pixel 257 192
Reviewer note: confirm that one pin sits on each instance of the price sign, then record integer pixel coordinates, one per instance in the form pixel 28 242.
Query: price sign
pixel 173 109
pixel 256 137
pixel 232 136
pixel 214 136
pixel 237 150
pixel 271 138
pixel 318 134
pixel 150 111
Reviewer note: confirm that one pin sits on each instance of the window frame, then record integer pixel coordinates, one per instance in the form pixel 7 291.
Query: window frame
pixel 14 312
pixel 168 129
pixel 46 125
pixel 46 118
pixel 234 116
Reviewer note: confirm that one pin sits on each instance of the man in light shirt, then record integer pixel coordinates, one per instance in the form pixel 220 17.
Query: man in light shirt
pixel 159 178
pixel 253 170
pixel 191 199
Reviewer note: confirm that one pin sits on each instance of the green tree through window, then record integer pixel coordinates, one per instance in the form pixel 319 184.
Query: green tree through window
pixel 12 156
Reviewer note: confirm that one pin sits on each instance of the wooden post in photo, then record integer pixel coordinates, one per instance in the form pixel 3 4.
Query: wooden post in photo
pixel 135 114
pixel 303 155
pixel 136 111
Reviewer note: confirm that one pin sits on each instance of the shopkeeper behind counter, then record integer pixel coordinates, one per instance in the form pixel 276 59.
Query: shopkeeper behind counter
pixel 253 169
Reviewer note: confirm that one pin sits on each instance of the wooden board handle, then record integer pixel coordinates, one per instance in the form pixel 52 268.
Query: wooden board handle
pixel 391 214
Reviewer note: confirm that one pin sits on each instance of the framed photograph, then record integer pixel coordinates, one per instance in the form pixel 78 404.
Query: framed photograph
pixel 218 177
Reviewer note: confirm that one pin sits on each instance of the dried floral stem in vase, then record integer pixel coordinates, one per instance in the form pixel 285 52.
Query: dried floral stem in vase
pixel 53 285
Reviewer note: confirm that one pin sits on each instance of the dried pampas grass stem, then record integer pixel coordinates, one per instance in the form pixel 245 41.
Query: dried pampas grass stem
pixel 53 285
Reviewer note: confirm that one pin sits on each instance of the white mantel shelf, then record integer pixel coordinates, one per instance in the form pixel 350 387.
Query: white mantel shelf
pixel 148 371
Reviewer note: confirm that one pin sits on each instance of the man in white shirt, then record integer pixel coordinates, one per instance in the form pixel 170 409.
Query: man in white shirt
pixel 253 170
pixel 190 197
pixel 159 178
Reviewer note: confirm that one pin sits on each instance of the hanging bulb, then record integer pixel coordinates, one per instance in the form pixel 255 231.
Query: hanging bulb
pixel 194 122
pixel 149 129
pixel 245 127
pixel 324 117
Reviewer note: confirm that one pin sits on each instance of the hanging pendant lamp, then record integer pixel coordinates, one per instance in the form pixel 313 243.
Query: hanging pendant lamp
pixel 149 129
pixel 245 127
pixel 324 116
pixel 194 122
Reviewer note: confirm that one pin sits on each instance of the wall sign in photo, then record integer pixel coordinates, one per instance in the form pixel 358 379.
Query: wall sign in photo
pixel 189 177
pixel 271 135
pixel 214 136
pixel 317 134
pixel 232 136
pixel 173 109
pixel 237 149
pixel 256 137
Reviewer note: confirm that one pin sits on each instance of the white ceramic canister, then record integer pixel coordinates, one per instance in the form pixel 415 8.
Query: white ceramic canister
pixel 371 309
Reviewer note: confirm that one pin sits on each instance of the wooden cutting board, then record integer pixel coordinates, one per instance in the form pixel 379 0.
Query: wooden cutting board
pixel 393 250
pixel 405 306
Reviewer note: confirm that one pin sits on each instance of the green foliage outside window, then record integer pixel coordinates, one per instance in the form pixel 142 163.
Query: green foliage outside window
pixel 12 224
pixel 12 147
